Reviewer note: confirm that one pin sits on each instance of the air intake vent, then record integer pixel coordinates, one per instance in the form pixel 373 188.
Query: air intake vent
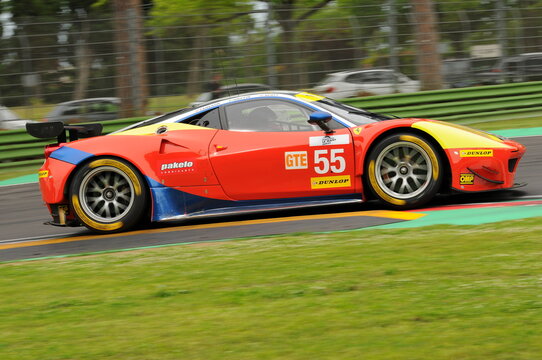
pixel 512 164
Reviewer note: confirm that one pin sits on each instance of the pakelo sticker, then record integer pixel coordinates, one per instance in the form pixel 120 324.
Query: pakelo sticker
pixel 43 174
pixel 466 179
pixel 295 160
pixel 476 153
pixel 330 182
pixel 177 165
pixel 329 140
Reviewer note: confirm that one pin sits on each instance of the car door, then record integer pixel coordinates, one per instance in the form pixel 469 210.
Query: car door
pixel 182 158
pixel 269 151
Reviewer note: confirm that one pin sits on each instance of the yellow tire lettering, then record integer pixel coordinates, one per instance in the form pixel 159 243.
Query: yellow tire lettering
pixel 378 190
pixel 427 149
pixel 120 166
pixel 88 221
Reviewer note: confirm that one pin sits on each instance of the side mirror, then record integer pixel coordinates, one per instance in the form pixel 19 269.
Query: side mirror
pixel 321 119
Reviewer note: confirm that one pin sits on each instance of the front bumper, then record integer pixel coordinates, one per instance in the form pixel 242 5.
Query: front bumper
pixel 485 169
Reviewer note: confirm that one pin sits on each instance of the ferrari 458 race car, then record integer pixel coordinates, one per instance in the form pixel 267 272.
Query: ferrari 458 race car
pixel 261 151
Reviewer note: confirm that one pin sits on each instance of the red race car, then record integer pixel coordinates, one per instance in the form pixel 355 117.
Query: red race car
pixel 261 151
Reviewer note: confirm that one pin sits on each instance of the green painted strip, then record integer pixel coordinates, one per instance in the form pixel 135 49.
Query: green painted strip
pixel 536 131
pixel 475 216
pixel 32 178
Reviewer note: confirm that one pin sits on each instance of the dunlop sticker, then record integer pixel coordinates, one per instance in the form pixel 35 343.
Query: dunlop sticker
pixel 466 179
pixel 43 174
pixel 330 182
pixel 476 153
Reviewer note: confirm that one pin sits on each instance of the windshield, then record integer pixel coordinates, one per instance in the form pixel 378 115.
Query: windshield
pixel 351 113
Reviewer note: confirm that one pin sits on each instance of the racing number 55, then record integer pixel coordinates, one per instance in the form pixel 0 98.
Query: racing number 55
pixel 326 160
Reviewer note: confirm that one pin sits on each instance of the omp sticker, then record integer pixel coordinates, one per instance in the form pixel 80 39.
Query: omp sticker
pixel 309 96
pixel 296 160
pixel 329 140
pixel 466 179
pixel 330 182
pixel 43 174
pixel 357 130
pixel 177 165
pixel 476 153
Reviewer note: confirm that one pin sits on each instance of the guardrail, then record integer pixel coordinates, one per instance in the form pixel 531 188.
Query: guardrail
pixel 465 105
pixel 20 151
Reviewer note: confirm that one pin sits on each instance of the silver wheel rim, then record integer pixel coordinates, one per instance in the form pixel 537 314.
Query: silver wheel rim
pixel 106 194
pixel 403 170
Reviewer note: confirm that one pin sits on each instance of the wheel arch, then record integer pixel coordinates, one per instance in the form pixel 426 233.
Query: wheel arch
pixel 74 171
pixel 446 181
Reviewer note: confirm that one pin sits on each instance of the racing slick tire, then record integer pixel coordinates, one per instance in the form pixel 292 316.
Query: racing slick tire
pixel 404 171
pixel 108 195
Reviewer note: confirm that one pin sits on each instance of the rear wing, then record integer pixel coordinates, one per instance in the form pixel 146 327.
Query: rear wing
pixel 48 130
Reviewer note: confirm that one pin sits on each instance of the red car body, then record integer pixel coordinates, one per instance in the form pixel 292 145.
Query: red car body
pixel 190 170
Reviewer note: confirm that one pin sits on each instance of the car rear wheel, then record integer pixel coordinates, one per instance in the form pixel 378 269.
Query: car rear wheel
pixel 404 171
pixel 108 195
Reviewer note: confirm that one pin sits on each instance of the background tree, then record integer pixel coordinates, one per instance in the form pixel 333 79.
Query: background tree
pixel 52 40
pixel 427 41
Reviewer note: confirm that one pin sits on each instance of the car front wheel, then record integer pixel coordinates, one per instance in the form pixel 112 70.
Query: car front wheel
pixel 404 171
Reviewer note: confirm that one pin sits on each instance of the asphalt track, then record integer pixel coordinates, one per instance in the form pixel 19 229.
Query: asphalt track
pixel 23 234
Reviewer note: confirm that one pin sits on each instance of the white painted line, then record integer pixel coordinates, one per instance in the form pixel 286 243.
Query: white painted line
pixel 33 238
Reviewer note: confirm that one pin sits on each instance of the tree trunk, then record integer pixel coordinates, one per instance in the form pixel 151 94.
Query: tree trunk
pixel 131 76
pixel 83 62
pixel 427 38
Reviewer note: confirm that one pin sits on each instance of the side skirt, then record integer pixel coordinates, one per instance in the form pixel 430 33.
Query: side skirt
pixel 258 208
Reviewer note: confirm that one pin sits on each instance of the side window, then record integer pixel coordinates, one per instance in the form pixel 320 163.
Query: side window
pixel 268 116
pixel 209 119
pixel 96 107
pixel 388 77
pixel 369 77
pixel 71 110
pixel 354 78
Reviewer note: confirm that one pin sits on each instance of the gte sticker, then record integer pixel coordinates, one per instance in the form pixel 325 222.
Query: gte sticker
pixel 177 165
pixel 476 153
pixel 329 140
pixel 330 182
pixel 296 160
pixel 43 174
pixel 466 179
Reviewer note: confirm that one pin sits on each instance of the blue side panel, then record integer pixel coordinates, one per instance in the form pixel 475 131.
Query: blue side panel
pixel 70 155
pixel 169 202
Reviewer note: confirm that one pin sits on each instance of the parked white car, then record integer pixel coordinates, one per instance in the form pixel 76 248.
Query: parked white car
pixel 354 83
pixel 10 121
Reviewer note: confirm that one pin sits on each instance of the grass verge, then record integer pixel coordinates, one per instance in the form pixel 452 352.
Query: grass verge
pixel 446 292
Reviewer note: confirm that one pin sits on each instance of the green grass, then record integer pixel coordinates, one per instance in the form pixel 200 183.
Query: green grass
pixel 4 175
pixel 449 292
